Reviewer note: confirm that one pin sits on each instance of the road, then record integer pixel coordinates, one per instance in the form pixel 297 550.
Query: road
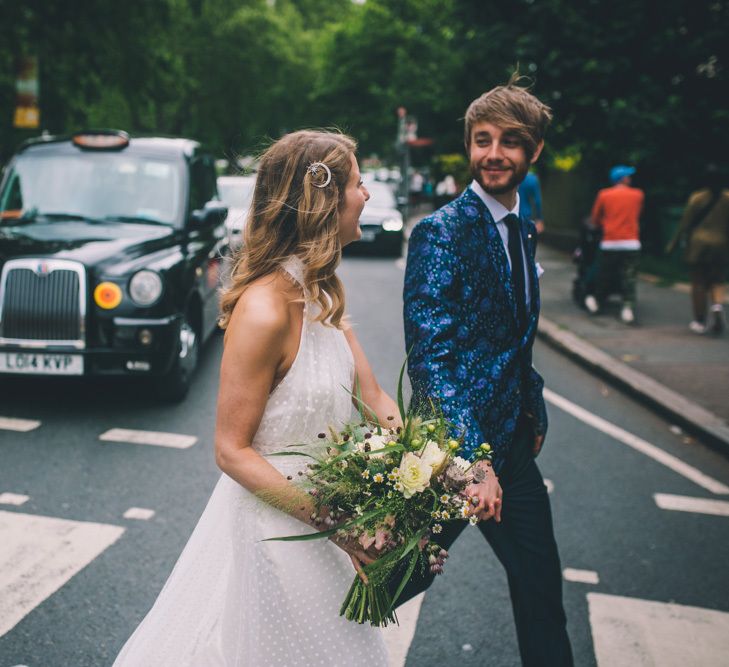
pixel 645 559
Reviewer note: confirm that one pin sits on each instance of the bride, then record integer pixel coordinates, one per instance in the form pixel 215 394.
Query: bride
pixel 232 598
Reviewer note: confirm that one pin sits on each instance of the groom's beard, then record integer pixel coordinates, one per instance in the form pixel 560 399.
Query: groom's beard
pixel 506 177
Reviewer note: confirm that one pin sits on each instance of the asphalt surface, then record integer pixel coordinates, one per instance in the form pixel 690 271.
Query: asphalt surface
pixel 685 375
pixel 606 518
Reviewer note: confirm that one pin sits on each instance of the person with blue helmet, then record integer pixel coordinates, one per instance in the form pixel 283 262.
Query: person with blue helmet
pixel 616 212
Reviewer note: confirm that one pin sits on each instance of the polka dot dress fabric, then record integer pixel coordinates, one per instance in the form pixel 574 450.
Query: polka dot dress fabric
pixel 233 599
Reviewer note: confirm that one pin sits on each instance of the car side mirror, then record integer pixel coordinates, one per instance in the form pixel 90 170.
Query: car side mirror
pixel 213 213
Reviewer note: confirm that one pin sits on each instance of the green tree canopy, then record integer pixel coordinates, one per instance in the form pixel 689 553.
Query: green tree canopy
pixel 629 81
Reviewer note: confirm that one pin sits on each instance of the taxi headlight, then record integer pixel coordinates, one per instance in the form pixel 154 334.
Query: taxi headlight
pixel 145 288
pixel 392 225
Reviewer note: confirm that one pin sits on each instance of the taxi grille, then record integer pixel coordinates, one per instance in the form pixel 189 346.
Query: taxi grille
pixel 42 301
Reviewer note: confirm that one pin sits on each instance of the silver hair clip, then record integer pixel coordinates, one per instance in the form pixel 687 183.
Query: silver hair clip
pixel 313 170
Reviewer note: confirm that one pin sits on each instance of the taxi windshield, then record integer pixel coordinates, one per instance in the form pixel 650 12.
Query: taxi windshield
pixel 94 186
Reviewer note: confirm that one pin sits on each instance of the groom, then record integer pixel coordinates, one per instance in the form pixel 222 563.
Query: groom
pixel 471 310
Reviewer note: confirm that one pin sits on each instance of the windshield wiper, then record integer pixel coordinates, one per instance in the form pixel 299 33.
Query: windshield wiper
pixel 136 218
pixel 57 216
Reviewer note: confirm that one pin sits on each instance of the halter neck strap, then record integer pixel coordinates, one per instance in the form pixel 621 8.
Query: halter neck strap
pixel 294 266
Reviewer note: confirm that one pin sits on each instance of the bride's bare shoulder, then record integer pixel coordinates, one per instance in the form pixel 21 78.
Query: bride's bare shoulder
pixel 262 309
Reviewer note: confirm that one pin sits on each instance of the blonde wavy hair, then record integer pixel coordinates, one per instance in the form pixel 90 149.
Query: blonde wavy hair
pixel 290 215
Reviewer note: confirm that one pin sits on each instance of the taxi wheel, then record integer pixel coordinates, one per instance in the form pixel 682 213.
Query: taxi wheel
pixel 174 385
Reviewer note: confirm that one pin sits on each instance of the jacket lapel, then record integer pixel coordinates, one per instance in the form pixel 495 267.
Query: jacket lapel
pixel 494 247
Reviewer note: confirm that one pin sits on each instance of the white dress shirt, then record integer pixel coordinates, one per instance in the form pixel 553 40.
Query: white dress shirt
pixel 498 213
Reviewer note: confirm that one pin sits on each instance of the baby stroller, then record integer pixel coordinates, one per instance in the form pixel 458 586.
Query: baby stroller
pixel 585 258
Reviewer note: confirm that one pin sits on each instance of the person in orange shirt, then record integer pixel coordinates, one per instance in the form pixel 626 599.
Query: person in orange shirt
pixel 616 212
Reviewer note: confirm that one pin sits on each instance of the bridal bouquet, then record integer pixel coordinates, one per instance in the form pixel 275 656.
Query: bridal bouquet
pixel 391 488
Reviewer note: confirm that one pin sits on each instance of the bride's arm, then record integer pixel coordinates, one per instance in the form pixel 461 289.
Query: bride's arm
pixel 372 394
pixel 254 348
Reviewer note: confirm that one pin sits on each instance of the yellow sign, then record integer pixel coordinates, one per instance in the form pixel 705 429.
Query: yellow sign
pixel 26 118
pixel 27 113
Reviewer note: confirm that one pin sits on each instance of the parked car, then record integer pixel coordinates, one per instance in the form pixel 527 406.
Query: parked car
pixel 236 193
pixel 110 253
pixel 381 223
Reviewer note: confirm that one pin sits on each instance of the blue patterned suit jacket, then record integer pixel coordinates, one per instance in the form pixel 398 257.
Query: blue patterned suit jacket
pixel 461 329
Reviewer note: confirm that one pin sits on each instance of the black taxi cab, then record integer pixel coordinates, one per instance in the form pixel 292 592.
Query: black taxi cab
pixel 111 249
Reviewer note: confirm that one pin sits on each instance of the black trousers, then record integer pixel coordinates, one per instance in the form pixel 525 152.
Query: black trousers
pixel 524 543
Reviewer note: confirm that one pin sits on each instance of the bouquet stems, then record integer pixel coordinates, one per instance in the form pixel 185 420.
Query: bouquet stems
pixel 368 603
pixel 373 602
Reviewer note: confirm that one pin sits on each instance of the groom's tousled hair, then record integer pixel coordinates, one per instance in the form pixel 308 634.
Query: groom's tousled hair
pixel 511 107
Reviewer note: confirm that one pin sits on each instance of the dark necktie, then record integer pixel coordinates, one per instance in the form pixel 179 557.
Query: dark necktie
pixel 517 268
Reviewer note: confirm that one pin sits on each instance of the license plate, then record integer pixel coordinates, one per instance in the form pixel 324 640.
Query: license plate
pixel 41 363
pixel 368 235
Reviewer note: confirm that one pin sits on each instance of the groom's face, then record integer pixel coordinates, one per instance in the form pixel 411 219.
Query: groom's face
pixel 497 157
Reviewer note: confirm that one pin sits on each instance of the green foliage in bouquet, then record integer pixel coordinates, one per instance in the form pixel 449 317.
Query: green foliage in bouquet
pixel 391 489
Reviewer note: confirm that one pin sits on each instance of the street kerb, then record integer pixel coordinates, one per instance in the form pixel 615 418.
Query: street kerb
pixel 695 419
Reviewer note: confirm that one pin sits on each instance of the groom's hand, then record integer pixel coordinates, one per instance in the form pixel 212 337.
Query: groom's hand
pixel 538 437
pixel 538 442
pixel 489 495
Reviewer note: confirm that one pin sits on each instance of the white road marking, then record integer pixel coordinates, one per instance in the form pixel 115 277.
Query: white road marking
pixel 629 632
pixel 13 499
pixel 39 555
pixel 666 501
pixel 640 445
pixel 139 513
pixel 156 438
pixel 22 425
pixel 549 484
pixel 399 637
pixel 581 576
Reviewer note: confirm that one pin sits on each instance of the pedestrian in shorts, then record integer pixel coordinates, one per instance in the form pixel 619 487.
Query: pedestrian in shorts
pixel 704 235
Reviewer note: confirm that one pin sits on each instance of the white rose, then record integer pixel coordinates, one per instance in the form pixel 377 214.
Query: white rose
pixel 433 455
pixel 414 474
pixel 376 443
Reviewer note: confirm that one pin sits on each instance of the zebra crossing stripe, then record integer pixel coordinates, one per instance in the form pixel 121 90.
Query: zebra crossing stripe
pixel 581 576
pixel 139 513
pixel 13 499
pixel 21 425
pixel 639 633
pixel 155 438
pixel 666 501
pixel 39 555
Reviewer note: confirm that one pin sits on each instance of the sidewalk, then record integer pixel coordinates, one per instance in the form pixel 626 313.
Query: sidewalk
pixel 683 375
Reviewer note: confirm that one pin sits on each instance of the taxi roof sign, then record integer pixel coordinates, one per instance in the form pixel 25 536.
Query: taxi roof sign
pixel 101 140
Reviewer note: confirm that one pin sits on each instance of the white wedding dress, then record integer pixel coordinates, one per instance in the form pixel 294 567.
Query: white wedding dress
pixel 234 600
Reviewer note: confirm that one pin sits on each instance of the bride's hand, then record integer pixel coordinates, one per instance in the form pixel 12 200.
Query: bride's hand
pixel 357 554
